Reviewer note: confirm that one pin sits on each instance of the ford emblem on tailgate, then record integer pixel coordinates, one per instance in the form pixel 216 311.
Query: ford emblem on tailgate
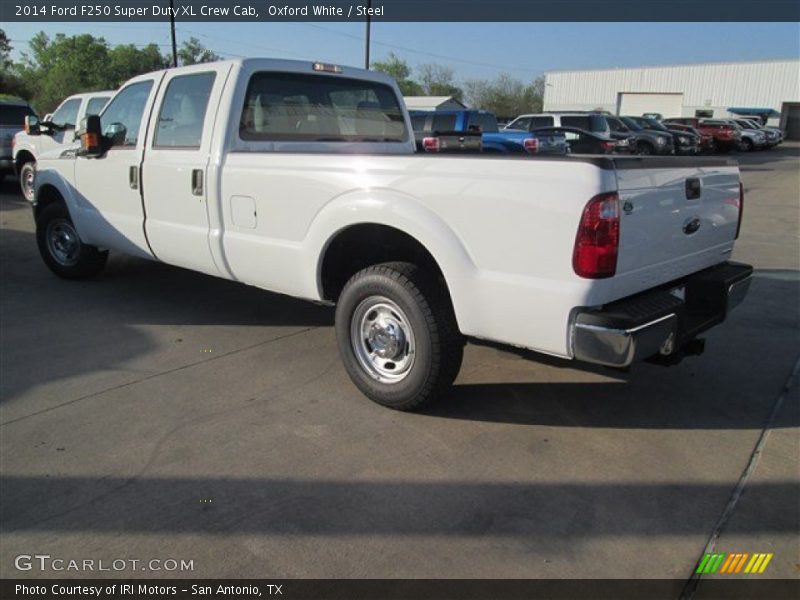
pixel 691 225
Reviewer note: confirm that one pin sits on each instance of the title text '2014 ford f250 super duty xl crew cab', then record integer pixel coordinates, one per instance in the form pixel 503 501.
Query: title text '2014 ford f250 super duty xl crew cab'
pixel 303 179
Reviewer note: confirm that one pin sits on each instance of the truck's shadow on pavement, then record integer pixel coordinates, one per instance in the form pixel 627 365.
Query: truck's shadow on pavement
pixel 96 326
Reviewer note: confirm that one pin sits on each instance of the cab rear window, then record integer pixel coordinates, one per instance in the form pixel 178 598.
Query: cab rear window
pixel 316 108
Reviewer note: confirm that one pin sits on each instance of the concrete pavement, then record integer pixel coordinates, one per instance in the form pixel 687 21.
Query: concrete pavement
pixel 159 413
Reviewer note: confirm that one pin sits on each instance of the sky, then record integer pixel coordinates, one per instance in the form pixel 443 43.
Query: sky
pixel 473 50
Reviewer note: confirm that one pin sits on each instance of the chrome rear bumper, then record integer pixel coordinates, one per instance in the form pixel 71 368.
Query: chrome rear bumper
pixel 659 322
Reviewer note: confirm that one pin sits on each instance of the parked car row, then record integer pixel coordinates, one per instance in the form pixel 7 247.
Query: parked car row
pixel 652 136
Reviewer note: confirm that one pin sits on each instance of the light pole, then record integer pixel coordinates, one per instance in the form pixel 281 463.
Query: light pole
pixel 366 45
pixel 172 28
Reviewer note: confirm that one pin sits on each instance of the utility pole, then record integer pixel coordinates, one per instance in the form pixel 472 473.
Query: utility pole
pixel 172 28
pixel 366 46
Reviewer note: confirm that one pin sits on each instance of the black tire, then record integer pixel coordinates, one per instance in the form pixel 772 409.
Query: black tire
pixel 62 249
pixel 645 148
pixel 747 145
pixel 26 174
pixel 437 346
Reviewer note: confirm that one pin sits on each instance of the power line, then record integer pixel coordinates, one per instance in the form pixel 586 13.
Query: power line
pixel 424 53
pixel 241 43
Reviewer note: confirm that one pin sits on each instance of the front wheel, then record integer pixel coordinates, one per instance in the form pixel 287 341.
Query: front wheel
pixel 26 175
pixel 645 149
pixel 62 249
pixel 397 335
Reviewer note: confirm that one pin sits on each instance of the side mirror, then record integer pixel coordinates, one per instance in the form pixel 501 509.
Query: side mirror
pixel 32 125
pixel 91 138
pixel 116 133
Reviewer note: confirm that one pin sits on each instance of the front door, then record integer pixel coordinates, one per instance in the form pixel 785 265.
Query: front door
pixel 110 190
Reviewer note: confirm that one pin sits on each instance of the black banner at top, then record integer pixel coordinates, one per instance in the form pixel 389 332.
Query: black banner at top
pixel 400 10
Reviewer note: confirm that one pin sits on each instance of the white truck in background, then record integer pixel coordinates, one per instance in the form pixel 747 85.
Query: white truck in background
pixel 302 178
pixel 56 130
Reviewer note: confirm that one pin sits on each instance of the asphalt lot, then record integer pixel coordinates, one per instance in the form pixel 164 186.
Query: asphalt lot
pixel 159 413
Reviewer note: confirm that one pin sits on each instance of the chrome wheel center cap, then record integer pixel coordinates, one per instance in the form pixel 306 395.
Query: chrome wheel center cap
pixel 387 339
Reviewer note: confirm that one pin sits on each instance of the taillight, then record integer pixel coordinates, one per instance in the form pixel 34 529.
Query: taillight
pixel 608 146
pixel 531 145
pixel 597 241
pixel 741 209
pixel 430 144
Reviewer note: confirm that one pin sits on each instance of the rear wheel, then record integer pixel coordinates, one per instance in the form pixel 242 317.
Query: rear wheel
pixel 397 335
pixel 26 174
pixel 61 247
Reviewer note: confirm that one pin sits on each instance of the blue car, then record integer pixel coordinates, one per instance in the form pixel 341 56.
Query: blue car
pixel 493 140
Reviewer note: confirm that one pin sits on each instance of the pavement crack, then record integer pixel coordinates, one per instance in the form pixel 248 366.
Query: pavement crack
pixel 693 582
pixel 157 375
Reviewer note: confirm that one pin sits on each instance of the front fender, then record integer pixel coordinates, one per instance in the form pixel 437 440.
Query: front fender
pixel 51 178
pixel 24 144
pixel 400 211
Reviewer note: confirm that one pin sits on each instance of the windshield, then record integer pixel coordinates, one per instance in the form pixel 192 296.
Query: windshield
pixel 655 125
pixel 631 123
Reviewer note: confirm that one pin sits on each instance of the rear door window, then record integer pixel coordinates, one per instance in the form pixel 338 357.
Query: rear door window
pixel 183 111
pixel 297 107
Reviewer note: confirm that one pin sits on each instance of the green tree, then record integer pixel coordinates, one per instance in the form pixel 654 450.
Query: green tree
pixel 399 70
pixel 193 52
pixel 438 80
pixel 11 84
pixel 126 61
pixel 504 96
pixel 64 66
pixel 5 49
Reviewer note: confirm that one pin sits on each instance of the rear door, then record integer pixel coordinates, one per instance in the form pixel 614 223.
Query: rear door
pixel 675 219
pixel 175 163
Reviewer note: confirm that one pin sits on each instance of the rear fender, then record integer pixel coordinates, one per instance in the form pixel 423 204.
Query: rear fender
pixel 400 211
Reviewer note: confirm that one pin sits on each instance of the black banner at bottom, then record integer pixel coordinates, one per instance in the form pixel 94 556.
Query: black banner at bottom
pixel 399 589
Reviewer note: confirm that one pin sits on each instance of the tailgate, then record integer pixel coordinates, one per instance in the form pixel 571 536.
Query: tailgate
pixel 677 216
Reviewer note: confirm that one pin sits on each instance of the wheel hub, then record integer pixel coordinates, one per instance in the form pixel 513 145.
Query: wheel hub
pixel 386 338
pixel 382 339
pixel 63 243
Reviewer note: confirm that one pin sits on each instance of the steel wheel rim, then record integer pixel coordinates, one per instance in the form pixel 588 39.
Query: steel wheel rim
pixel 63 242
pixel 27 182
pixel 382 339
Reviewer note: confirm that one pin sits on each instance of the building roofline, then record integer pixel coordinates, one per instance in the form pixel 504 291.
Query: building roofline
pixel 672 66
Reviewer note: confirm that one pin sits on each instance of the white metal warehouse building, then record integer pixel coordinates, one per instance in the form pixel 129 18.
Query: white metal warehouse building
pixel 703 90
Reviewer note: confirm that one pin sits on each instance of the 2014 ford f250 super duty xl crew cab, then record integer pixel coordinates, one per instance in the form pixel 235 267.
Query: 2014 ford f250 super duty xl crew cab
pixel 302 178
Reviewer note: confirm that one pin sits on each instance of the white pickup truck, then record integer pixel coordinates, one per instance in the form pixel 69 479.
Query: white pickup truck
pixel 56 130
pixel 303 179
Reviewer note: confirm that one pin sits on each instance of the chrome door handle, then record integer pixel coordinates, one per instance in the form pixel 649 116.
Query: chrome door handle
pixel 197 182
pixel 133 178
